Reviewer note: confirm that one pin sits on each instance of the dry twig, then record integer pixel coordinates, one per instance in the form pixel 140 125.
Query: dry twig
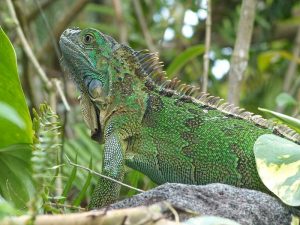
pixel 31 56
pixel 143 24
pixel 120 21
pixel 291 71
pixel 62 24
pixel 101 175
pixel 151 215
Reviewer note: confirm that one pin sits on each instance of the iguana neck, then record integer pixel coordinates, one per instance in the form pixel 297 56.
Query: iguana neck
pixel 126 94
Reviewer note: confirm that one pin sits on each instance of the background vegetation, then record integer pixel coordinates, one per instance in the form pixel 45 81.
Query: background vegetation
pixel 175 29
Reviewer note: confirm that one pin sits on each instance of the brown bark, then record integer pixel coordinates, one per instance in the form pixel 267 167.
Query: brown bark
pixel 207 47
pixel 239 58
pixel 151 215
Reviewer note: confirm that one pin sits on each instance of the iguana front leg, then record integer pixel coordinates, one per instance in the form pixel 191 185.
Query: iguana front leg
pixel 106 190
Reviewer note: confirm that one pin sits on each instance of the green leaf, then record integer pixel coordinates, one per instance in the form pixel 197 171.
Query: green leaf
pixel 284 100
pixel 278 165
pixel 16 184
pixel 290 121
pixel 84 147
pixel 183 58
pixel 15 128
pixel 87 183
pixel 9 113
pixel 69 183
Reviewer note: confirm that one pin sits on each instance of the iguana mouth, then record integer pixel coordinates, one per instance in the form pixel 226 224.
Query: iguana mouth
pixel 91 116
pixel 97 135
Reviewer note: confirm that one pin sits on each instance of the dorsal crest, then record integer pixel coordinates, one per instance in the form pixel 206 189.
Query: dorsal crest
pixel 152 69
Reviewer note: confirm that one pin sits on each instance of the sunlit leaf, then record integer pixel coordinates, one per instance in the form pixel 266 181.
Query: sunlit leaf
pixel 278 165
pixel 6 209
pixel 183 58
pixel 293 21
pixel 11 115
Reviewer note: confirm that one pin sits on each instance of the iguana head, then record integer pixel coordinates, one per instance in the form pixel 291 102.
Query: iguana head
pixel 86 55
pixel 103 70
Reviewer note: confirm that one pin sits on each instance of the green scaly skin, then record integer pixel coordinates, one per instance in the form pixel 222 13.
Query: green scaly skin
pixel 168 138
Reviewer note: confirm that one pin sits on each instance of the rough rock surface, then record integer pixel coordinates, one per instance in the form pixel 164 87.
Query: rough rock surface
pixel 248 207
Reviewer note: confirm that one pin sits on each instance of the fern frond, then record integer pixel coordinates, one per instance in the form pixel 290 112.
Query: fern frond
pixel 46 152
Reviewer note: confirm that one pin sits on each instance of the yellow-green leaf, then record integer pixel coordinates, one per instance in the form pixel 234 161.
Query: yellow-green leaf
pixel 265 59
pixel 278 165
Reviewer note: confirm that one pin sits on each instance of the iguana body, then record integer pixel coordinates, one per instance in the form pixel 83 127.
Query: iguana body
pixel 162 128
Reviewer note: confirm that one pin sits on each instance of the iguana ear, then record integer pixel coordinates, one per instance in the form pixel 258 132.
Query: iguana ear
pixel 90 114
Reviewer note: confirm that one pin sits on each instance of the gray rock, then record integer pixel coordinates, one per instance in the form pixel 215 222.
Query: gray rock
pixel 247 207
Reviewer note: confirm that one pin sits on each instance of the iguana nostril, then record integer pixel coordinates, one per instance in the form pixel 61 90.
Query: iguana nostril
pixel 95 88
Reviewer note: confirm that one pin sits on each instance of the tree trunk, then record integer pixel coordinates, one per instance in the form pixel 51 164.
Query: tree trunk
pixel 239 58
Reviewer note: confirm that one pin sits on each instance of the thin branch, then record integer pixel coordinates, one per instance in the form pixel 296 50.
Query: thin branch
pixel 101 175
pixel 207 47
pixel 33 14
pixel 62 24
pixel 28 86
pixel 65 206
pixel 120 21
pixel 291 71
pixel 295 87
pixel 26 46
pixel 152 214
pixel 239 58
pixel 174 212
pixel 30 54
pixel 61 93
pixel 48 28
pixel 143 24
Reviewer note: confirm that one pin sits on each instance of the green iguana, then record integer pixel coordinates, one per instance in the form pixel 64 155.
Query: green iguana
pixel 169 131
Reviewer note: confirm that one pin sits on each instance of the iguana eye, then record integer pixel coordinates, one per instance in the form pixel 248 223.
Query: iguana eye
pixel 88 39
